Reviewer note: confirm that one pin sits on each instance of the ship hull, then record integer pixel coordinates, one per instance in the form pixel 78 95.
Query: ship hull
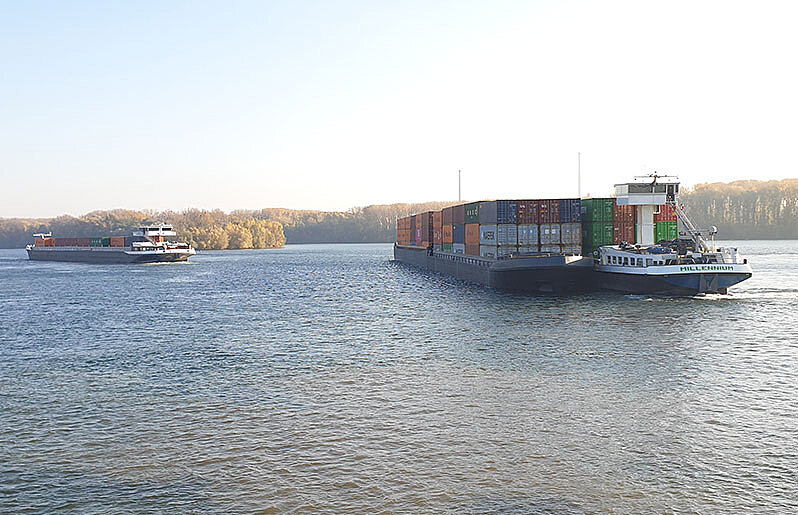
pixel 544 274
pixel 105 255
pixel 669 285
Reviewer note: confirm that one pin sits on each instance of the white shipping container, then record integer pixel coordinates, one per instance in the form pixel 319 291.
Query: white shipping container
pixel 488 251
pixel 571 234
pixel 549 234
pixel 528 249
pixel 575 250
pixel 506 251
pixel 528 234
pixel 507 235
pixel 437 248
pixel 551 249
pixel 458 248
pixel 487 235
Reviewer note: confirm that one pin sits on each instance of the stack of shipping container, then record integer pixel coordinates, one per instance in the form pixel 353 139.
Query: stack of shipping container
pixel 554 226
pixel 623 224
pixel 497 228
pixel 118 241
pixel 597 224
pixel 403 231
pixel 665 224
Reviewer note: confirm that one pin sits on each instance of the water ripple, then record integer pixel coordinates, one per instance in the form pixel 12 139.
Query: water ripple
pixel 328 379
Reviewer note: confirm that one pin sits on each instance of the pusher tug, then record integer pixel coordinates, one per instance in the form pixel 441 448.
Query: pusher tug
pixel 682 266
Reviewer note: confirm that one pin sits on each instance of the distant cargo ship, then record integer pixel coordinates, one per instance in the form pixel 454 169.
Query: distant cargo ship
pixel 147 245
pixel 629 243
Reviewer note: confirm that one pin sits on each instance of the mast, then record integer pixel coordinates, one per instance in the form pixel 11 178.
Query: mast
pixel 691 229
pixel 579 174
pixel 459 196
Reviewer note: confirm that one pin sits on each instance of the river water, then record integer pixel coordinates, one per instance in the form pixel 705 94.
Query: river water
pixel 327 378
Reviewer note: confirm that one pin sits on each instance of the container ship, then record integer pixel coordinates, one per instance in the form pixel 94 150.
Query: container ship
pixel 629 243
pixel 147 245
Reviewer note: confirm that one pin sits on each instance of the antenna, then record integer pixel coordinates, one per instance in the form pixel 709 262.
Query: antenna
pixel 459 196
pixel 579 174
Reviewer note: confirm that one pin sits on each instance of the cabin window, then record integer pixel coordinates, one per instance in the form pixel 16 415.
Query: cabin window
pixel 625 261
pixel 640 262
pixel 649 262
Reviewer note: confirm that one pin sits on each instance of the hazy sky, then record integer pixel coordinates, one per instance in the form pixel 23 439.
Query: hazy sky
pixel 329 105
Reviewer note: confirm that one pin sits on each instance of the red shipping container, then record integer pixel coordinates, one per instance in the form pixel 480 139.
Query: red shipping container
pixel 472 249
pixel 528 211
pixel 447 216
pixel 623 231
pixel 83 242
pixel 447 234
pixel 624 214
pixel 666 214
pixel 549 211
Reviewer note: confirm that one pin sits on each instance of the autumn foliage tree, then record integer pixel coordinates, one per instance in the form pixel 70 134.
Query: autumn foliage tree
pixel 204 230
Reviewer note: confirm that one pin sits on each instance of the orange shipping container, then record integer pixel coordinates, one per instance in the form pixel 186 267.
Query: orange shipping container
pixel 117 241
pixel 472 236
pixel 447 234
pixel 470 248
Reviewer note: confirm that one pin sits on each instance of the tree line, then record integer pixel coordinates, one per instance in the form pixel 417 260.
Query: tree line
pixel 370 224
pixel 746 209
pixel 740 209
pixel 204 230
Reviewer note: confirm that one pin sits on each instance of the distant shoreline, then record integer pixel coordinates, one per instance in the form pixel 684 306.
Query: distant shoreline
pixel 287 244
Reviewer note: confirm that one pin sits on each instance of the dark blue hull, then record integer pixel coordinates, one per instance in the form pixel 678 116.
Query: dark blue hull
pixel 682 285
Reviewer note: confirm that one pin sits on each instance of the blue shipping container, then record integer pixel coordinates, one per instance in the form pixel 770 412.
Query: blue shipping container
pixel 570 210
pixel 507 212
pixel 458 233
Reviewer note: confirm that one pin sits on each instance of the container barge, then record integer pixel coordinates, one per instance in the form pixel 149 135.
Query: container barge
pixel 629 243
pixel 147 245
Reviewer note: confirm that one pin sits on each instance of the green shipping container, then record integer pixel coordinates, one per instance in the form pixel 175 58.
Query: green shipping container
pixel 666 231
pixel 106 242
pixel 472 213
pixel 598 209
pixel 594 235
pixel 446 247
pixel 96 242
